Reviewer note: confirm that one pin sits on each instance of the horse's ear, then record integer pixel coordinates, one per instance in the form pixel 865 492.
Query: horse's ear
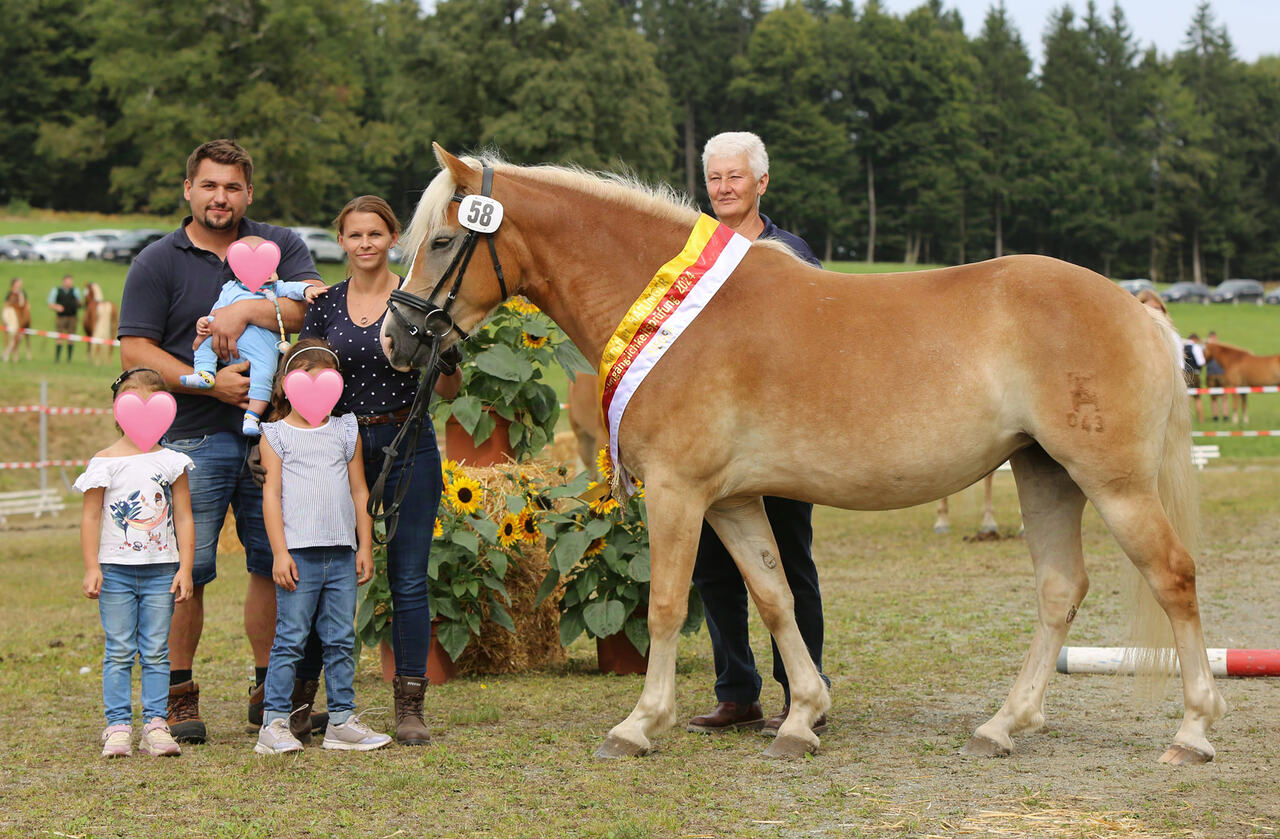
pixel 463 175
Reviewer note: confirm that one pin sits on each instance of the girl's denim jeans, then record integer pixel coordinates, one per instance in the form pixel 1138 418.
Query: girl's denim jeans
pixel 136 606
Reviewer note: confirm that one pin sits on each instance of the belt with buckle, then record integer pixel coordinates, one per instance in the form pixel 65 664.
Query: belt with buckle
pixel 395 417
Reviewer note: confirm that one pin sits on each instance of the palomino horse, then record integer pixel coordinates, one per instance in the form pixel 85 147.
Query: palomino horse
pixel 1241 368
pixel 988 526
pixel 100 321
pixel 17 317
pixel 586 420
pixel 759 396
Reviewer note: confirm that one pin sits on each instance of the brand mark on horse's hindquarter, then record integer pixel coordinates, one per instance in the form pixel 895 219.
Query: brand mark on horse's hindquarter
pixel 1071 614
pixel 1082 394
pixel 768 560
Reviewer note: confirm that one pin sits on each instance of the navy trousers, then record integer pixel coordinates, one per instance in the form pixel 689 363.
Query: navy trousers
pixel 724 597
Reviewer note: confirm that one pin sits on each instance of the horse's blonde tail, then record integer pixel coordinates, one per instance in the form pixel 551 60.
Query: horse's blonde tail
pixel 11 321
pixel 1152 642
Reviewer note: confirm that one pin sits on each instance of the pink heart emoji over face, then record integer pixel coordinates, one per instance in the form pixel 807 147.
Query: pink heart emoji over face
pixel 313 397
pixel 145 422
pixel 253 266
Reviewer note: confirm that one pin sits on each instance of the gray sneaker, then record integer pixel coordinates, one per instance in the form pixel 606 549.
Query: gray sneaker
pixel 353 735
pixel 276 739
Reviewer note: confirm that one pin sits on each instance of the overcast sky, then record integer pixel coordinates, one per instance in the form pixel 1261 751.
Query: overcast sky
pixel 1253 25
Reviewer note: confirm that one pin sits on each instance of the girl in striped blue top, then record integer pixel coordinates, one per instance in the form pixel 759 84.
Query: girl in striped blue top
pixel 314 505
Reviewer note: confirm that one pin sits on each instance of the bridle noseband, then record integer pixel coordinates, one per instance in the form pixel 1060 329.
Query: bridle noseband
pixel 436 325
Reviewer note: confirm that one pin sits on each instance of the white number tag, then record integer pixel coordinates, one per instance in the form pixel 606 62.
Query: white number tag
pixel 478 213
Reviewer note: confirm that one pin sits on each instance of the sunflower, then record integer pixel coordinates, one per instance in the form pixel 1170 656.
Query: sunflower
pixel 509 530
pixel 463 494
pixel 438 530
pixel 533 342
pixel 604 464
pixel 528 525
pixel 449 468
pixel 604 505
pixel 596 546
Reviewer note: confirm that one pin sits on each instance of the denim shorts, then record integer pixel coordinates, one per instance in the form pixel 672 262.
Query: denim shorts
pixel 221 479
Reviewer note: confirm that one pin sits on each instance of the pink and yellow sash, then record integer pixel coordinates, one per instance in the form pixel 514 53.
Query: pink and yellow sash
pixel 673 298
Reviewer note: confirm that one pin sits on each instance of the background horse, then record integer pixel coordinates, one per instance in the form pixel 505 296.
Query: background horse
pixel 759 396
pixel 586 420
pixel 988 527
pixel 16 317
pixel 100 321
pixel 1241 368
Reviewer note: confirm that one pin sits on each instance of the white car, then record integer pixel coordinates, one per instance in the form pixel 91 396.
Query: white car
pixel 101 239
pixel 323 244
pixel 55 247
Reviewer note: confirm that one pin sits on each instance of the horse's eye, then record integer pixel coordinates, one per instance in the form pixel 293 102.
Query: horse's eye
pixel 440 242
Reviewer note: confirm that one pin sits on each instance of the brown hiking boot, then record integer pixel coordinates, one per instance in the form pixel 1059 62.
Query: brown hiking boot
pixel 257 695
pixel 728 716
pixel 411 730
pixel 184 713
pixel 304 696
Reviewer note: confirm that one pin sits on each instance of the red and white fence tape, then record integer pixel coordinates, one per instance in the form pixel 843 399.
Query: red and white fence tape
pixel 1222 662
pixel 41 409
pixel 1235 433
pixel 1217 391
pixel 66 336
pixel 40 464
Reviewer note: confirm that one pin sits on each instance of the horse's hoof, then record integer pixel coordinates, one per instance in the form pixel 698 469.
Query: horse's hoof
pixel 784 746
pixel 941 529
pixel 1184 756
pixel 985 747
pixel 615 747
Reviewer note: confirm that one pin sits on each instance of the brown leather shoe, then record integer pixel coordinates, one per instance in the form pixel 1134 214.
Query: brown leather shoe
pixel 304 696
pixel 728 716
pixel 411 730
pixel 771 727
pixel 184 713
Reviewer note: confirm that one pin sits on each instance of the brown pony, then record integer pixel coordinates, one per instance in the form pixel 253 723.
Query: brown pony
pixel 100 321
pixel 16 317
pixel 760 396
pixel 1241 368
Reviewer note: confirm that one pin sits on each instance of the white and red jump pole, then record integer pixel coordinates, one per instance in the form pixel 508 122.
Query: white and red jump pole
pixel 1222 662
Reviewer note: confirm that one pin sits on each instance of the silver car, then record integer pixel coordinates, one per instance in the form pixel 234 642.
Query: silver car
pixel 1238 291
pixel 322 243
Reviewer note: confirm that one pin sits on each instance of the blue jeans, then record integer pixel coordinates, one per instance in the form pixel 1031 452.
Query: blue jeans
pixel 326 598
pixel 136 606
pixel 724 597
pixel 220 479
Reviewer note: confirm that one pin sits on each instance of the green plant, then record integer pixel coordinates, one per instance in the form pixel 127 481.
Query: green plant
pixel 599 555
pixel 503 367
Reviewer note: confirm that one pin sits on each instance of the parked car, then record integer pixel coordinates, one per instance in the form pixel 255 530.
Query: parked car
pixel 396 255
pixel 1238 291
pixel 129 244
pixel 1135 286
pixel 323 244
pixel 102 238
pixel 1273 296
pixel 1187 292
pixel 20 248
pixel 55 247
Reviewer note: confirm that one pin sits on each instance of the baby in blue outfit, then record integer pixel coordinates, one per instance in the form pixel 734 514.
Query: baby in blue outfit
pixel 257 345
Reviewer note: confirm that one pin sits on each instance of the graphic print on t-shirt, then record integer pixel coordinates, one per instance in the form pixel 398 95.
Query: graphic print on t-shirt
pixel 147 519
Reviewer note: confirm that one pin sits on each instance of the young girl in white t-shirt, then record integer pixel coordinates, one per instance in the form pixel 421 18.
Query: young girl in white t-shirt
pixel 138 541
pixel 314 507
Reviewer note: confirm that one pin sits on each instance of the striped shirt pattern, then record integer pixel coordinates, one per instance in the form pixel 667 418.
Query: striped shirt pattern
pixel 315 492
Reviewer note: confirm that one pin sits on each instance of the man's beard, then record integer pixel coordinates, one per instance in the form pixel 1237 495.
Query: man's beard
pixel 230 222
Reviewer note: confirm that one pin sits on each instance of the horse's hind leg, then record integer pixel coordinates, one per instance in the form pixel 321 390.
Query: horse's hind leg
pixel 1052 506
pixel 745 530
pixel 988 506
pixel 675 525
pixel 943 523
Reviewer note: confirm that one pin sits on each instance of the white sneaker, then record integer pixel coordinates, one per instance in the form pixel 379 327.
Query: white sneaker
pixel 117 740
pixel 353 735
pixel 276 739
pixel 157 740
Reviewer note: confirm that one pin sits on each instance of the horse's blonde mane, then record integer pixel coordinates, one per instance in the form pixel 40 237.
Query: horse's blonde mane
pixel 659 200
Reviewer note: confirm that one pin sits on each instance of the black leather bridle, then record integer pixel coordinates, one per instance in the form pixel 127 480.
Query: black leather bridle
pixel 436 325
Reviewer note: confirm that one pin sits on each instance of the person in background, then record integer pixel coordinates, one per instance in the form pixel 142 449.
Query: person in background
pixel 1192 364
pixel 65 300
pixel 172 283
pixel 736 168
pixel 349 319
pixel 17 317
pixel 1213 374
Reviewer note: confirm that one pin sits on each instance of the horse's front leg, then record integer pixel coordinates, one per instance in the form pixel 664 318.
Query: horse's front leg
pixel 675 524
pixel 745 530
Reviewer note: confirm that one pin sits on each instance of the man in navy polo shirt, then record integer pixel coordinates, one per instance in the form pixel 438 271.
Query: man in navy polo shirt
pixel 735 166
pixel 171 284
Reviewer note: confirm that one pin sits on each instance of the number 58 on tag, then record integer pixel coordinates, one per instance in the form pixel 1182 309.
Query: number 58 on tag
pixel 479 213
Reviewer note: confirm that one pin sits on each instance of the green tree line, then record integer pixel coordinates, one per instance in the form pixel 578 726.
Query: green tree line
pixel 891 137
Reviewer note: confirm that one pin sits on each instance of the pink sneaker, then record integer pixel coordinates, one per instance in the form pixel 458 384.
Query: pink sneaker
pixel 116 740
pixel 157 741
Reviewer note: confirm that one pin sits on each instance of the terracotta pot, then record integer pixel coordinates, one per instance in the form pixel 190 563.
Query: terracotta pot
pixel 460 446
pixel 616 654
pixel 440 668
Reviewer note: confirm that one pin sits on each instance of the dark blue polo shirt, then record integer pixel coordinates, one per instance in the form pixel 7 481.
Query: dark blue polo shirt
pixel 171 285
pixel 802 249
